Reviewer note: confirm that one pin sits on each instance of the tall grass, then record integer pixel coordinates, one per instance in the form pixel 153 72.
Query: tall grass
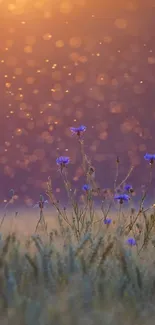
pixel 91 269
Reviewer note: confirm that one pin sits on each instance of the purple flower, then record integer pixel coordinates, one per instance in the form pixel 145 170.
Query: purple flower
pixel 131 241
pixel 122 198
pixel 128 188
pixel 86 187
pixel 11 193
pixel 150 158
pixel 78 130
pixel 107 221
pixel 62 161
pixel 40 204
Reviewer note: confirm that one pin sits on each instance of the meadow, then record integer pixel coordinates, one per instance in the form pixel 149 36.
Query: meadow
pixel 80 264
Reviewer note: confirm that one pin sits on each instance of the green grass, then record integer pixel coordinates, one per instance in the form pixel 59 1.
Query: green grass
pixel 97 281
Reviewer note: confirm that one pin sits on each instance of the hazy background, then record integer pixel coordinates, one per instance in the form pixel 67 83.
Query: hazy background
pixel 70 62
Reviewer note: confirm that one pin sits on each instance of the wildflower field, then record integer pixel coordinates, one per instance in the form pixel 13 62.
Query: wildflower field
pixel 92 266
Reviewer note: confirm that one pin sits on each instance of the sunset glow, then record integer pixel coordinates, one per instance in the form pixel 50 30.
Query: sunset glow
pixel 65 63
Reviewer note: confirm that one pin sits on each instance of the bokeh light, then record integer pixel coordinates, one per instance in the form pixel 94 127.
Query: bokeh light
pixel 65 63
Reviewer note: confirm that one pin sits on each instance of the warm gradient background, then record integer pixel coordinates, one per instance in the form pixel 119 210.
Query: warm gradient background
pixel 69 62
